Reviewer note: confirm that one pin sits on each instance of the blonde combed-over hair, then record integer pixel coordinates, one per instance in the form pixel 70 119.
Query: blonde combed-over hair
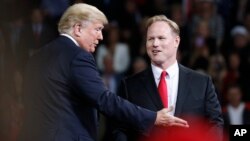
pixel 79 13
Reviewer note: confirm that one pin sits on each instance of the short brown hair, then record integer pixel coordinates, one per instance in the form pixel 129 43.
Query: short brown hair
pixel 172 24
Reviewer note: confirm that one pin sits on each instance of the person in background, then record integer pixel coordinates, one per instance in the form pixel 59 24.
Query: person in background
pixel 139 65
pixel 236 112
pixel 35 34
pixel 116 48
pixel 241 45
pixel 166 83
pixel 63 90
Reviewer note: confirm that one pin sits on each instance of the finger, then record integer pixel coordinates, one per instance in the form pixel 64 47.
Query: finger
pixel 181 121
pixel 179 125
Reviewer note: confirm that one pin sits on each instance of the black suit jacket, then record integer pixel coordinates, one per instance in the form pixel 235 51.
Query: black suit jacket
pixel 62 93
pixel 196 98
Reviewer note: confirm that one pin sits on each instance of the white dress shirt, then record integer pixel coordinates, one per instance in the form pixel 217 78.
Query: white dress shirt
pixel 172 80
pixel 236 114
pixel 121 57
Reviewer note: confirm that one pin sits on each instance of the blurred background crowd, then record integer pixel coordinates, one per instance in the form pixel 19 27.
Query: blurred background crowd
pixel 215 39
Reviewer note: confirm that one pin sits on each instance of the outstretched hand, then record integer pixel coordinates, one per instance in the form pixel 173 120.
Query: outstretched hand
pixel 165 119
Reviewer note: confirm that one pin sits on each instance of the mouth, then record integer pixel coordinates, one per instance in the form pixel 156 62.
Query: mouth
pixel 95 44
pixel 155 52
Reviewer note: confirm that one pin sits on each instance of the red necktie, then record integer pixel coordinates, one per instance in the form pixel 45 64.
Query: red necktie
pixel 163 91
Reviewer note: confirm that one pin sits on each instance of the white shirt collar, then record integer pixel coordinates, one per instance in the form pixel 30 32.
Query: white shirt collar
pixel 71 38
pixel 172 70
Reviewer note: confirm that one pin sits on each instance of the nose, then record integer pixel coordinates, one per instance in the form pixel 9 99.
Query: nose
pixel 100 36
pixel 155 42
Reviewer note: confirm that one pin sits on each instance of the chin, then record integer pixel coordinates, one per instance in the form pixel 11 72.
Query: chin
pixel 92 50
pixel 157 59
pixel 158 62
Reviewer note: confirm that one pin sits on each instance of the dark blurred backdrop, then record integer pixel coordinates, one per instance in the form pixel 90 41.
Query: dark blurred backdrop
pixel 214 40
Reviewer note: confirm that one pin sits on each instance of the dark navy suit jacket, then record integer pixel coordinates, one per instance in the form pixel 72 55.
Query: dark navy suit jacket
pixel 196 99
pixel 63 92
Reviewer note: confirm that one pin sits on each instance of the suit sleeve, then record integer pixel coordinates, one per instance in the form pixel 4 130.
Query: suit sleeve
pixel 87 82
pixel 120 132
pixel 213 110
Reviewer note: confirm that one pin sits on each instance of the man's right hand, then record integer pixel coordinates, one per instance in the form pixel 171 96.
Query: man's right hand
pixel 165 119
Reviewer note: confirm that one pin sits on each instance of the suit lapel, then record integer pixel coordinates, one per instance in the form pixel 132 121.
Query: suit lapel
pixel 184 80
pixel 149 83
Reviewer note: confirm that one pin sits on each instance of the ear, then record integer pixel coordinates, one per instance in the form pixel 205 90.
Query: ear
pixel 177 41
pixel 77 29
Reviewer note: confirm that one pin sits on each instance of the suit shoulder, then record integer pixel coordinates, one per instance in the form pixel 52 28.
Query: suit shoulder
pixel 194 73
pixel 68 48
pixel 60 49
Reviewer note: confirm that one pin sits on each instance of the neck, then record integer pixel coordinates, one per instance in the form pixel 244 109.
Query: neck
pixel 164 65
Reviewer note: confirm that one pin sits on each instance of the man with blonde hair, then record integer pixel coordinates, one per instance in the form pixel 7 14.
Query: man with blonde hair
pixel 167 84
pixel 63 90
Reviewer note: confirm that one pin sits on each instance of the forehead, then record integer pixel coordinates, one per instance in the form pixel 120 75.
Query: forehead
pixel 159 27
pixel 95 24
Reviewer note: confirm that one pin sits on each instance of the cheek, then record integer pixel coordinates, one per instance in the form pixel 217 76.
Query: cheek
pixel 89 37
pixel 94 35
pixel 89 41
pixel 148 49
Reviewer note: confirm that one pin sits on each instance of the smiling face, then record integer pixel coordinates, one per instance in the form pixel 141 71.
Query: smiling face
pixel 162 44
pixel 88 35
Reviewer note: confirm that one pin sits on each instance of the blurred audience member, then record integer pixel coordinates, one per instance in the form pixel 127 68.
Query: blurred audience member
pixel 241 45
pixel 110 77
pixel 36 33
pixel 119 51
pixel 240 7
pixel 14 49
pixel 217 69
pixel 177 15
pixel 139 65
pixel 206 11
pixel 240 37
pixel 232 74
pixel 129 21
pixel 202 45
pixel 112 81
pixel 236 112
pixel 142 39
pixel 53 9
pixel 15 26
